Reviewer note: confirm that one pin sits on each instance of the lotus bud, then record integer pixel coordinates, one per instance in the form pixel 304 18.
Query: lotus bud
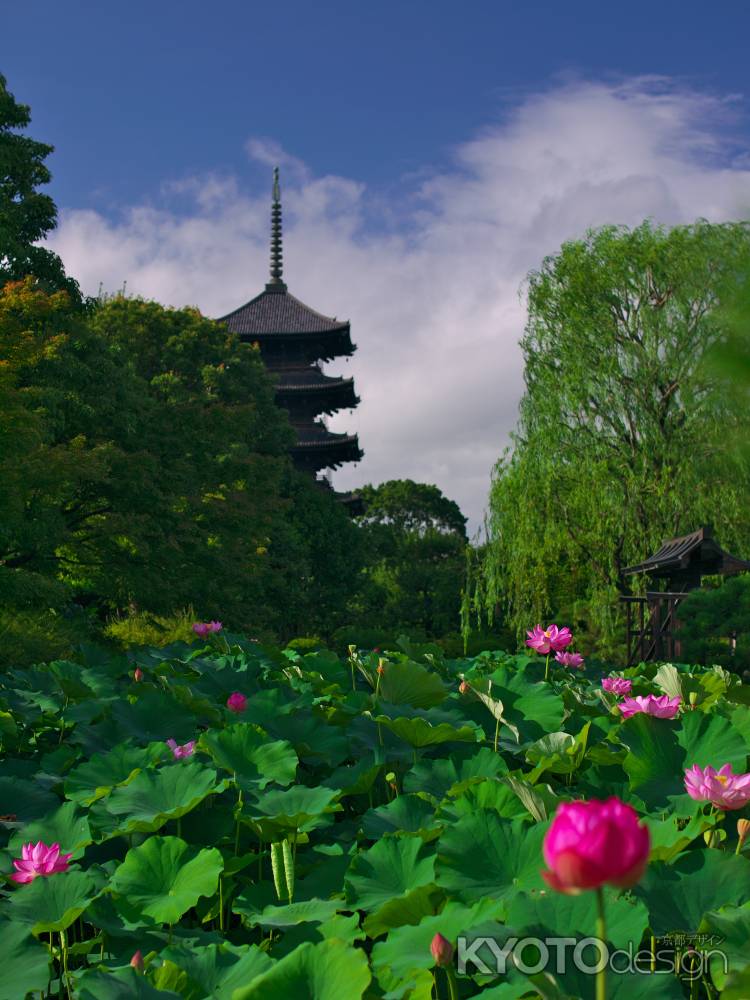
pixel 137 674
pixel 743 829
pixel 693 698
pixel 137 961
pixel 442 950
pixel 381 667
pixel 464 687
pixel 352 649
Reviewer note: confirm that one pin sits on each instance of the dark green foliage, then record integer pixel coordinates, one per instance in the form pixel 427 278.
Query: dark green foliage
pixel 145 470
pixel 415 540
pixel 26 216
pixel 710 617
pixel 615 448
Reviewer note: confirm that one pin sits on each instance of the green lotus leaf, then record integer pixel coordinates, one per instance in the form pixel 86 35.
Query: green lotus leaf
pixel 405 814
pixel 154 717
pixel 418 732
pixel 483 855
pixel 556 914
pixel 540 801
pixel 670 836
pixel 67 826
pixel 53 902
pixel 737 986
pixel 731 928
pixel 23 960
pixel 353 779
pixel 482 793
pixel 216 971
pixel 330 970
pixel 529 704
pixel 408 683
pixel 406 951
pixel 307 911
pixel 294 808
pixel 409 909
pixel 679 895
pixel 104 771
pixel 121 984
pixel 155 796
pixel 437 777
pixel 164 877
pixel 25 799
pixel 661 750
pixel 242 750
pixel 313 739
pixel 393 867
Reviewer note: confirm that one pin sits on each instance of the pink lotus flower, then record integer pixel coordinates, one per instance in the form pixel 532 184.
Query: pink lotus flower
pixel 662 707
pixel 178 752
pixel 570 659
pixel 552 639
pixel 137 961
pixel 137 674
pixel 38 859
pixel 617 685
pixel 441 950
pixel 203 629
pixel 722 788
pixel 591 844
pixel 236 702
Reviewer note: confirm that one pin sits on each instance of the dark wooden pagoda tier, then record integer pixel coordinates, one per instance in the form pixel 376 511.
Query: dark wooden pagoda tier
pixel 308 389
pixel 293 339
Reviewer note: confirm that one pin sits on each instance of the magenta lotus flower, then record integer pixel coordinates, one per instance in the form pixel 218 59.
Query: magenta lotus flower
pixel 236 702
pixel 617 685
pixel 204 629
pixel 179 752
pixel 574 660
pixel 662 707
pixel 722 788
pixel 549 640
pixel 595 843
pixel 38 859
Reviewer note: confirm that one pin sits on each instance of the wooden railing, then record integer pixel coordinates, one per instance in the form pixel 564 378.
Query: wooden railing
pixel 651 623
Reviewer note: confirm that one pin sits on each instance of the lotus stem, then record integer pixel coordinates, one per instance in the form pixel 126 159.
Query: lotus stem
pixel 452 984
pixel 497 731
pixel 546 668
pixel 601 933
pixel 64 950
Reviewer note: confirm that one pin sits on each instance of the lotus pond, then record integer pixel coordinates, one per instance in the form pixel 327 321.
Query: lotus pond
pixel 225 820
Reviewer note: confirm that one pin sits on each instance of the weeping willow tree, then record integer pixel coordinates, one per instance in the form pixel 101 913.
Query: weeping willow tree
pixel 616 444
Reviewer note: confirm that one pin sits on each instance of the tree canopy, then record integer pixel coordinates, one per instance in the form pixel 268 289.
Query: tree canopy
pixel 615 445
pixel 415 539
pixel 26 215
pixel 147 469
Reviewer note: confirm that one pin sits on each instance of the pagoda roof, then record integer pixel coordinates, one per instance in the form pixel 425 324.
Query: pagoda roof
pixel 277 312
pixel 308 379
pixel 698 549
pixel 321 448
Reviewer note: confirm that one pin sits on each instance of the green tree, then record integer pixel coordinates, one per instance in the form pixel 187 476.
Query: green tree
pixel 415 539
pixel 26 215
pixel 614 449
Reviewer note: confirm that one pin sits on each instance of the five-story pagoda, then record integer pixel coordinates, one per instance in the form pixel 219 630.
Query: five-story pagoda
pixel 293 339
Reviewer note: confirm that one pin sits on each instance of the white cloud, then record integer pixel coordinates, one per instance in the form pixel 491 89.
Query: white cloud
pixel 434 299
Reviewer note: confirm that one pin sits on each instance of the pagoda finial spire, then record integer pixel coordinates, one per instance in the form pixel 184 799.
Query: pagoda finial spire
pixel 277 267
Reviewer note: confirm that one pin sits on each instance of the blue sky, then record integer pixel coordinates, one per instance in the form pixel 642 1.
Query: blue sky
pixel 431 155
pixel 132 93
